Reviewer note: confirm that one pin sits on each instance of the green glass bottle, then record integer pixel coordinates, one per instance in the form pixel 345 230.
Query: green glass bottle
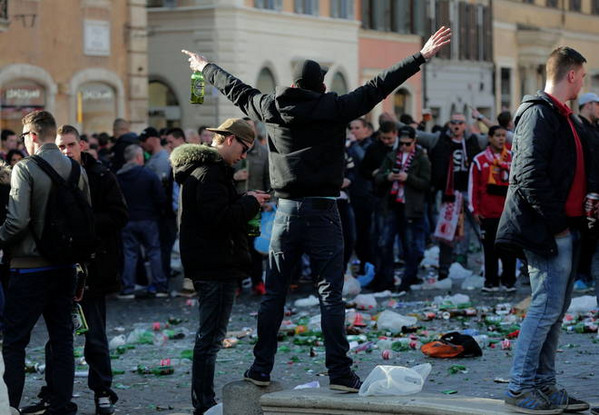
pixel 197 88
pixel 254 225
pixel 79 321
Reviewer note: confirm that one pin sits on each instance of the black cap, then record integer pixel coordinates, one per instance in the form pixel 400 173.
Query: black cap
pixel 407 131
pixel 147 133
pixel 309 75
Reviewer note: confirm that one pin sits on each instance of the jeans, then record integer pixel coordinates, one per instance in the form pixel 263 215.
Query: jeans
pixel 551 281
pixel 215 302
pixel 492 254
pixel 310 226
pixel 95 351
pixel 31 295
pixel 412 235
pixel 145 233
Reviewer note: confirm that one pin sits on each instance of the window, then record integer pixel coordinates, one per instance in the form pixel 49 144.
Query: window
pixel 163 111
pixel 18 98
pixel 475 37
pixel 342 9
pixel 575 5
pixel 552 3
pixel 162 3
pixel 442 19
pixel 266 81
pixel 96 107
pixel 269 4
pixel 594 6
pixel 506 88
pixel 306 7
pixel 400 16
pixel 401 101
pixel 339 85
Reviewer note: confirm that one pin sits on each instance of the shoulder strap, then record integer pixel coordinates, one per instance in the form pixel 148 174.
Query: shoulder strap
pixel 51 172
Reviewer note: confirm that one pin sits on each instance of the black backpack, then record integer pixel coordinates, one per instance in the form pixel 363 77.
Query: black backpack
pixel 68 234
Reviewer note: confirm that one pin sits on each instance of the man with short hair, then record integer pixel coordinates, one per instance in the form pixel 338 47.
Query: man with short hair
pixel 174 138
pixel 123 138
pixel 145 202
pixel 205 135
pixel 37 285
pixel 404 179
pixel 542 216
pixel 306 136
pixel 110 215
pixel 213 223
pixel 149 140
pixel 8 141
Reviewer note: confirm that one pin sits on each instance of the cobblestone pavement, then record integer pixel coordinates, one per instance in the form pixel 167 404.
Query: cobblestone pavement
pixel 147 394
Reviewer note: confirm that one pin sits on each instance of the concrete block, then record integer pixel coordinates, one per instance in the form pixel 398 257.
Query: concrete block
pixel 243 398
pixel 323 401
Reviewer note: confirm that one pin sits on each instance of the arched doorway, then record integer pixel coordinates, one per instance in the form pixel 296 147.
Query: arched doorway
pixel 339 85
pixel 164 110
pixel 96 107
pixel 266 81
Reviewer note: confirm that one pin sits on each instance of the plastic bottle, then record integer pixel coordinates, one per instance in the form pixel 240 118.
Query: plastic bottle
pixel 198 87
pixel 482 340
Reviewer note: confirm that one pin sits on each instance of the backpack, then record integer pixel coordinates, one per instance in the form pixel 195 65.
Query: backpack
pixel 68 234
pixel 452 344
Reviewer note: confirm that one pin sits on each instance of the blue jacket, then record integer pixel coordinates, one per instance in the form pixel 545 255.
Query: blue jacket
pixel 143 192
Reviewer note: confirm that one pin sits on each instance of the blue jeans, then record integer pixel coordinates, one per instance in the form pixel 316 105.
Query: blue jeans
pixel 31 295
pixel 145 233
pixel 310 226
pixel 215 302
pixel 551 281
pixel 412 237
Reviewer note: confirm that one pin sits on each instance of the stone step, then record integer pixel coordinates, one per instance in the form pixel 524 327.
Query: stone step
pixel 322 401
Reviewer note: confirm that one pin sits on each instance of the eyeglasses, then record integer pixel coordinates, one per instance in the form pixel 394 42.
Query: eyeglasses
pixel 22 136
pixel 456 122
pixel 246 148
pixel 405 143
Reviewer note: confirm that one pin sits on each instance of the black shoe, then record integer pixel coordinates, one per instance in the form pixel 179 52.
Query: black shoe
pixel 257 378
pixel 349 383
pixel 595 411
pixel 36 408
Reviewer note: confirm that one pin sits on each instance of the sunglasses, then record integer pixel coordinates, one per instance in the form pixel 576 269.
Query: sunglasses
pixel 405 143
pixel 456 122
pixel 246 148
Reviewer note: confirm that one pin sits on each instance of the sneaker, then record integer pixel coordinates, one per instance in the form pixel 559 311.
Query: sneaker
pixel 350 383
pixel 531 402
pixel 509 288
pixel 161 294
pixel 259 289
pixel 595 411
pixel 126 296
pixel 104 405
pixel 561 399
pixel 257 378
pixel 489 288
pixel 580 286
pixel 36 408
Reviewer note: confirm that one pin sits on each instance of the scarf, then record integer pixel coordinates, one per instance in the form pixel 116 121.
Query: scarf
pixel 398 188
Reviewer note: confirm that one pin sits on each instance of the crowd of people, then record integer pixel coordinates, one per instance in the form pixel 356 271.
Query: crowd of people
pixel 343 193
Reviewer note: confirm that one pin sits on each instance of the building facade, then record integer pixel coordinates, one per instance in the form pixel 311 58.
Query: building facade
pixel 83 60
pixel 525 33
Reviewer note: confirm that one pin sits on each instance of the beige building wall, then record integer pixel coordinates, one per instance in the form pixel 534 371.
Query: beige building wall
pixel 244 40
pixel 524 36
pixel 63 46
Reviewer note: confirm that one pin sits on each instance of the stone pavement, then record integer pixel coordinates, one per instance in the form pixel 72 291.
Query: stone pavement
pixel 146 394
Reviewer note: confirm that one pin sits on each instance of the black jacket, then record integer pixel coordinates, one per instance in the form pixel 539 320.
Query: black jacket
pixel 213 217
pixel 439 158
pixel 117 158
pixel 416 186
pixel 541 176
pixel 143 192
pixel 110 216
pixel 375 154
pixel 306 129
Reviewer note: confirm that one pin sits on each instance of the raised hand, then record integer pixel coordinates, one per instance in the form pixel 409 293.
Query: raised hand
pixel 196 62
pixel 441 38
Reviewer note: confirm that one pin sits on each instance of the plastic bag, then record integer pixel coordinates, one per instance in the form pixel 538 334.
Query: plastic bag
pixel 215 410
pixel 262 242
pixel 306 302
pixel 583 304
pixel 388 320
pixel 458 272
pixel 365 302
pixel 351 286
pixel 395 380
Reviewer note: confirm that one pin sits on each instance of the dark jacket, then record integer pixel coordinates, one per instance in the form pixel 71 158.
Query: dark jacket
pixel 143 192
pixel 374 157
pixel 213 217
pixel 591 136
pixel 361 186
pixel 110 215
pixel 541 176
pixel 256 164
pixel 439 158
pixel 416 185
pixel 117 159
pixel 306 129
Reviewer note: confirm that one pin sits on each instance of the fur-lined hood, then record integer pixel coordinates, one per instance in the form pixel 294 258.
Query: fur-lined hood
pixel 187 157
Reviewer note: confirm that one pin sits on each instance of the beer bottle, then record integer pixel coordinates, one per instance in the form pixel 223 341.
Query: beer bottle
pixel 254 225
pixel 197 88
pixel 79 322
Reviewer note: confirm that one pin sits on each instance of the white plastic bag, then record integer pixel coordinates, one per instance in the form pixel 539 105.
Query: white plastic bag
pixel 306 302
pixel 458 272
pixel 389 320
pixel 351 286
pixel 583 304
pixel 473 282
pixel 395 380
pixel 365 302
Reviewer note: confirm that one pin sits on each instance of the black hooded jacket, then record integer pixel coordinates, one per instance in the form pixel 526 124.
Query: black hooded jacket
pixel 213 217
pixel 541 176
pixel 306 129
